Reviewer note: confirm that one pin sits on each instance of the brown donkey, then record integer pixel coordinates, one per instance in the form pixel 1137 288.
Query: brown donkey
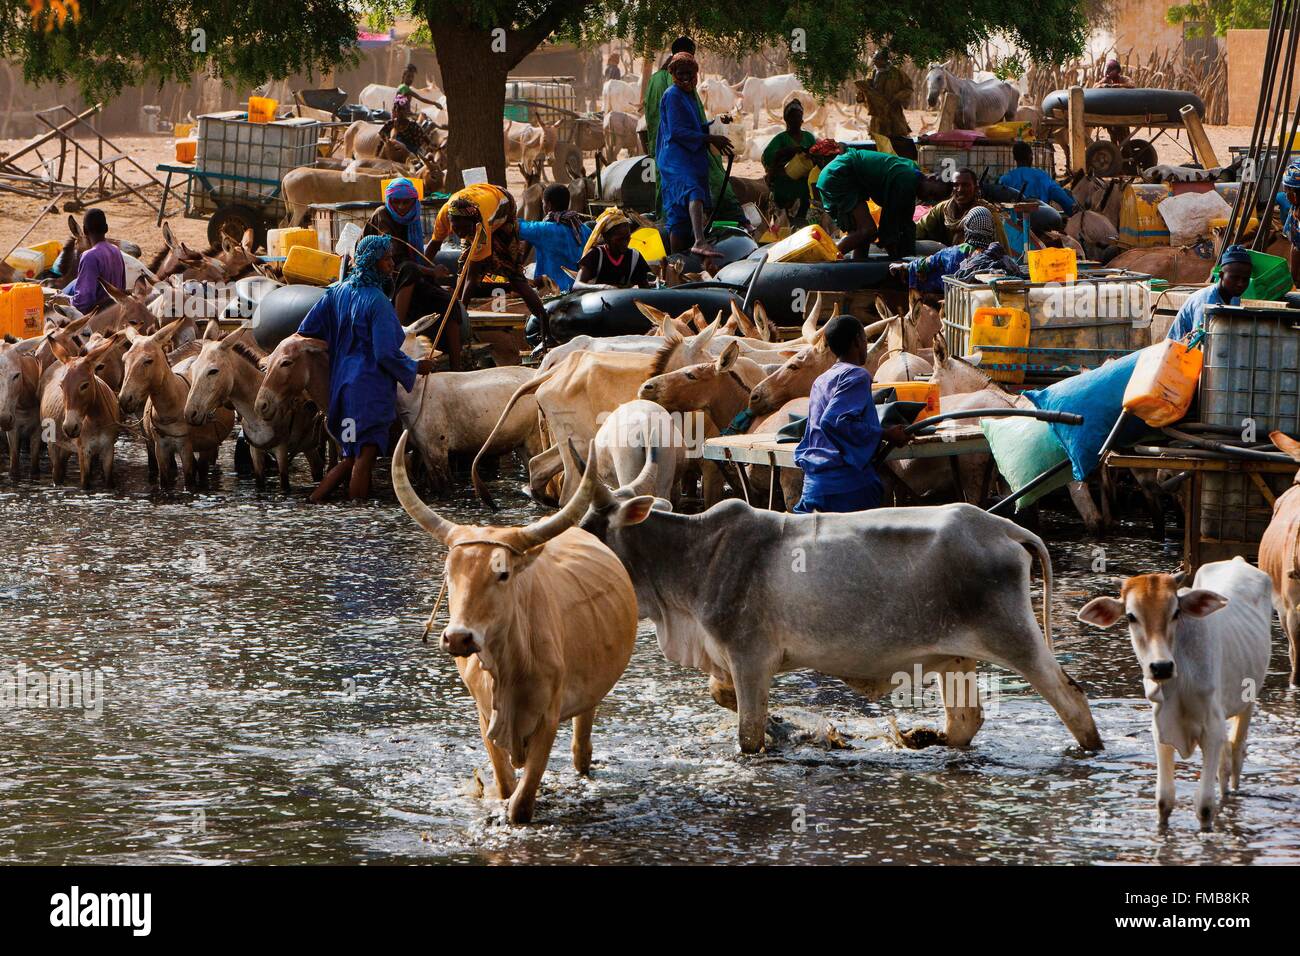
pixel 79 413
pixel 155 390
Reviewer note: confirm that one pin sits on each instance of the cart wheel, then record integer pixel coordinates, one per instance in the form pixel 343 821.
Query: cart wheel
pixel 1138 154
pixel 566 164
pixel 233 221
pixel 1103 159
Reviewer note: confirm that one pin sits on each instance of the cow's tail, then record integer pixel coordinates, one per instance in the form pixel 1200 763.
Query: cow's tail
pixel 1035 546
pixel 480 488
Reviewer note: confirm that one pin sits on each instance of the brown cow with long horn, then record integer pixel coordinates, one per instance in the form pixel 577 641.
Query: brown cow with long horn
pixel 542 624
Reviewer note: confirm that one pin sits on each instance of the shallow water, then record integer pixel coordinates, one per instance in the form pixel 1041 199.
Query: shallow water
pixel 266 698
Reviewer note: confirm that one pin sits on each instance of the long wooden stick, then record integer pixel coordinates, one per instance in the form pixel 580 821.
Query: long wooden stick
pixel 44 212
pixel 460 283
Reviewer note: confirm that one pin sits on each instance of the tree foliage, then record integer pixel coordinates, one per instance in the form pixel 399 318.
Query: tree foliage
pixel 1221 15
pixel 829 40
pixel 119 43
pixel 247 42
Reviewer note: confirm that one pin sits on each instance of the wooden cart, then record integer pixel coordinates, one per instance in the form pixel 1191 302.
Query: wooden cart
pixel 1201 543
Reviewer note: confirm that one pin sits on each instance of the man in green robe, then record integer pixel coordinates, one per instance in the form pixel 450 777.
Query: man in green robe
pixel 728 208
pixel 785 145
pixel 893 183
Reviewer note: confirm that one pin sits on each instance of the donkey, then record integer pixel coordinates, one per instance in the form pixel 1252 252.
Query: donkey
pixel 227 370
pixel 721 390
pixel 152 388
pixel 81 412
pixel 175 256
pixel 20 416
pixel 978 104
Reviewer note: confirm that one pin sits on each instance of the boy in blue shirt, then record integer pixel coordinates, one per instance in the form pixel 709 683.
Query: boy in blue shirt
pixel 843 430
pixel 557 239
pixel 1034 183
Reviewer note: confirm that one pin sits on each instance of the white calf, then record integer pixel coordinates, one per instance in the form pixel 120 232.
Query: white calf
pixel 1203 652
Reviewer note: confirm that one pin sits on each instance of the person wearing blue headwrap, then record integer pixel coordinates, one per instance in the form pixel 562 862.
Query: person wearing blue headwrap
pixel 415 284
pixel 1234 276
pixel 367 363
pixel 1291 220
pixel 402 201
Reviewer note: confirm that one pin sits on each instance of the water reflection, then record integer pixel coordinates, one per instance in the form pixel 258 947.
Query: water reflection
pixel 268 700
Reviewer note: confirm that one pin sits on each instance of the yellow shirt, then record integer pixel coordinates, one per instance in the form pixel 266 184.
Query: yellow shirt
pixel 488 198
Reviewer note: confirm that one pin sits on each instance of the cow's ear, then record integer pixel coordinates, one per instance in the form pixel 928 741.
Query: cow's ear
pixel 633 512
pixel 1198 602
pixel 1102 611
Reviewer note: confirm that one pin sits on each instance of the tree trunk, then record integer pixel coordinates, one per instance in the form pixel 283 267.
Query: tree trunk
pixel 474 80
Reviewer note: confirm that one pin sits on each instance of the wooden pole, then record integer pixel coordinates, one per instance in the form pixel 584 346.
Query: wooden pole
pixel 44 212
pixel 1078 139
pixel 46 137
pixel 1200 141
pixel 460 283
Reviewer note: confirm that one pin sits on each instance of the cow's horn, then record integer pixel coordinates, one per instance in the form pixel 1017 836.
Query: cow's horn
pixel 810 320
pixel 539 532
pixel 875 328
pixel 424 516
pixel 643 483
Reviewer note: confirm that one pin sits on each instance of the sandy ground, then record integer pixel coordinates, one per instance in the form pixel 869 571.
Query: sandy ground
pixel 129 218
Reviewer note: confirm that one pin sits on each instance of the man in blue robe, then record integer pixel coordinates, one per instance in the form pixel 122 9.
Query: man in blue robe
pixel 843 430
pixel 366 362
pixel 682 144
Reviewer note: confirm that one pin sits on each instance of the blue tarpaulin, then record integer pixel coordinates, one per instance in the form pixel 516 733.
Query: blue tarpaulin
pixel 1097 395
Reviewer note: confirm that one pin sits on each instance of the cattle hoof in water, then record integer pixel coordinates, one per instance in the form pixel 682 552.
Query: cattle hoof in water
pixel 918 738
pixel 804 729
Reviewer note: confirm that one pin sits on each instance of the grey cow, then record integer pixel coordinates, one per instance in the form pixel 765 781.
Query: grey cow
pixel 743 595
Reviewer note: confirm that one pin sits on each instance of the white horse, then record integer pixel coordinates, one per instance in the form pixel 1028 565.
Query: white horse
pixel 978 104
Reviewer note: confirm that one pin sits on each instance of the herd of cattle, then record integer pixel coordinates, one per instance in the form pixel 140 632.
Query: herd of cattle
pixel 542 618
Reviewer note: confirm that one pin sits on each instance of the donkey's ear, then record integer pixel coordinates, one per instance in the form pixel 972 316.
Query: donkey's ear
pixel 59 351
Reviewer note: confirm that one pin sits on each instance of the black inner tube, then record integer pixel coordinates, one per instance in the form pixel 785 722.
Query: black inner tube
pixel 926 425
pixel 1223 448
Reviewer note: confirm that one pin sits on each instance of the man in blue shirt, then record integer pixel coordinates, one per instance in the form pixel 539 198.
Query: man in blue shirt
pixel 1234 276
pixel 1034 183
pixel 557 239
pixel 1289 204
pixel 843 430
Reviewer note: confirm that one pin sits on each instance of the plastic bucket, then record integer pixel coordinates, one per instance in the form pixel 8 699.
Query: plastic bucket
pixel 1270 277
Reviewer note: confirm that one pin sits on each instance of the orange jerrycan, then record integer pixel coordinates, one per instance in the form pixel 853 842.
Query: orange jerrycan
pixel 1001 334
pixel 1053 265
pixel 927 392
pixel 1163 382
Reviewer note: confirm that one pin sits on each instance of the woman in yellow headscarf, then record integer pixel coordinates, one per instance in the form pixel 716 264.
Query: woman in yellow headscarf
pixel 608 261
